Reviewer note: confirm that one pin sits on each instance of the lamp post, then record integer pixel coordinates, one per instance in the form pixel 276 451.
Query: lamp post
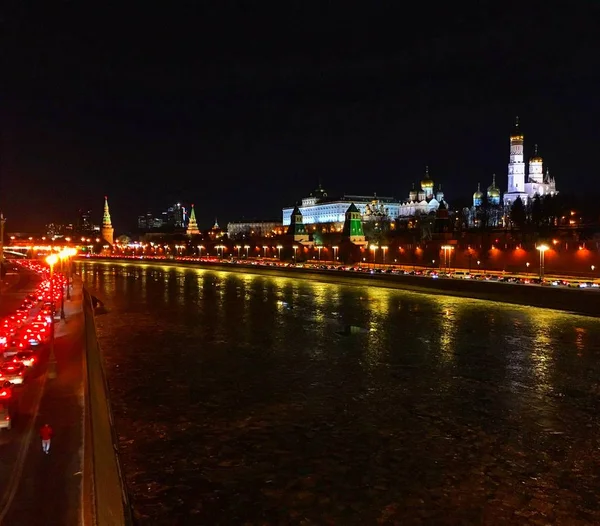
pixel 542 248
pixel 295 253
pixel 247 247
pixel 66 255
pixel 335 249
pixel 62 256
pixel 200 249
pixel 2 221
pixel 279 247
pixel 319 248
pixel 51 260
pixel 527 265
pixel 384 251
pixel 265 247
pixel 239 247
pixel 447 255
pixel 374 249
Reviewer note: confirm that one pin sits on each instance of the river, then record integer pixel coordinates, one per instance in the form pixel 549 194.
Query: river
pixel 243 399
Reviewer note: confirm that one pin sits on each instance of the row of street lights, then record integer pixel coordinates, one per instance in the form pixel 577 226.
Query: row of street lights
pixel 63 256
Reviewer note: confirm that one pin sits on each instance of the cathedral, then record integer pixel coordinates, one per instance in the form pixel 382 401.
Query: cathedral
pixel 488 208
pixel 537 183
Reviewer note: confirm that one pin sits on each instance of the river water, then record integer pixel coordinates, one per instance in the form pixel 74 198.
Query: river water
pixel 242 399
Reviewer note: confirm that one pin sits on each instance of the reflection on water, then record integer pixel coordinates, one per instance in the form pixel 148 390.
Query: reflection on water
pixel 244 399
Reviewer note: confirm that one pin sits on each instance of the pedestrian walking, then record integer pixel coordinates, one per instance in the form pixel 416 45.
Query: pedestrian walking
pixel 46 433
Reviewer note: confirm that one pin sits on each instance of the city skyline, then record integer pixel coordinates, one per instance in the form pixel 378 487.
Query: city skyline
pixel 244 127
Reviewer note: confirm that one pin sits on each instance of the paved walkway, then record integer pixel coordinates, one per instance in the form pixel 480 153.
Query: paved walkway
pixel 46 489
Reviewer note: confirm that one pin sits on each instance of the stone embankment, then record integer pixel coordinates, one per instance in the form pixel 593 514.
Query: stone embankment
pixel 110 505
pixel 576 301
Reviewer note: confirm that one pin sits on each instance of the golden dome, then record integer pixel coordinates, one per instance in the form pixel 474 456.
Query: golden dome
pixel 492 190
pixel 478 194
pixel 536 158
pixel 427 183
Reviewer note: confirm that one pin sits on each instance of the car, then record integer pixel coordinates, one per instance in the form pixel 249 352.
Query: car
pixel 6 390
pixel 12 372
pixel 5 419
pixel 27 358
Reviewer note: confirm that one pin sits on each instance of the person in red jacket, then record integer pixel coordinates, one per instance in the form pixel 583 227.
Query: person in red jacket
pixel 46 433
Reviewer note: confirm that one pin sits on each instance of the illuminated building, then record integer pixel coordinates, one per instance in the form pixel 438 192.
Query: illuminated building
pixel 175 216
pixel 537 183
pixel 296 228
pixel 353 228
pixel 254 228
pixel 107 230
pixel 318 208
pixel 192 228
pixel 486 208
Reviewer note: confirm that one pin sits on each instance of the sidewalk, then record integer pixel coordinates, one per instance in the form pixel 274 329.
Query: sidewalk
pixel 47 491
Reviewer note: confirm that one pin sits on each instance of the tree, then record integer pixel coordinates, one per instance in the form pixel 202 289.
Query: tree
pixel 518 214
pixel 537 212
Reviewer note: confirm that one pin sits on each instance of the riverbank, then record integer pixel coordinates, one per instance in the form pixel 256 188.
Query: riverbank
pixel 576 301
pixel 110 504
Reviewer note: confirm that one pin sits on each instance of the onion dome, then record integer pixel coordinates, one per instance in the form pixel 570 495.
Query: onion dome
pixel 478 195
pixel 536 158
pixel 427 183
pixel 493 191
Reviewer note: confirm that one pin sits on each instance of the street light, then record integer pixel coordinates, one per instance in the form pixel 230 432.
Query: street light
pixel 2 221
pixel 334 253
pixel 384 251
pixel 319 248
pixel 542 249
pixel 239 247
pixel 374 249
pixel 279 247
pixel 265 247
pixel 68 254
pixel 200 249
pixel 247 247
pixel 295 251
pixel 447 255
pixel 51 260
pixel 527 265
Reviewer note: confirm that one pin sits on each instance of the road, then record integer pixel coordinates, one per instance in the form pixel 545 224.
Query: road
pixel 37 488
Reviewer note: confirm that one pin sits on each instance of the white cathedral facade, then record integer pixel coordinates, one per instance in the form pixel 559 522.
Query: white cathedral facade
pixel 537 183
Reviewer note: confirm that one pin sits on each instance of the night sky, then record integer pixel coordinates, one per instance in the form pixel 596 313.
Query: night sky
pixel 244 107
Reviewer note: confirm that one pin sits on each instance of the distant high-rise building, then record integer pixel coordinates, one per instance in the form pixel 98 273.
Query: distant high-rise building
pixel 84 221
pixel 149 222
pixel 175 217
pixel 83 225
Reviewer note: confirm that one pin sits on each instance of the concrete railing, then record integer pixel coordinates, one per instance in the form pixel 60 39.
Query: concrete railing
pixel 106 502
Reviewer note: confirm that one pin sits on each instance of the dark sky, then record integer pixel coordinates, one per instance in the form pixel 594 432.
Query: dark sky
pixel 241 108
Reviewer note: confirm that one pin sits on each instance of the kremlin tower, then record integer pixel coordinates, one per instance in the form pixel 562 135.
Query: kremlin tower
pixel 192 228
pixel 107 229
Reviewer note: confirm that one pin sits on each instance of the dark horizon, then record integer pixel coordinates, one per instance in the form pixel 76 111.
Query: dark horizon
pixel 242 110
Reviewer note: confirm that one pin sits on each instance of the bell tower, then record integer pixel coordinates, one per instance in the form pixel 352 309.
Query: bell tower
pixel 516 165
